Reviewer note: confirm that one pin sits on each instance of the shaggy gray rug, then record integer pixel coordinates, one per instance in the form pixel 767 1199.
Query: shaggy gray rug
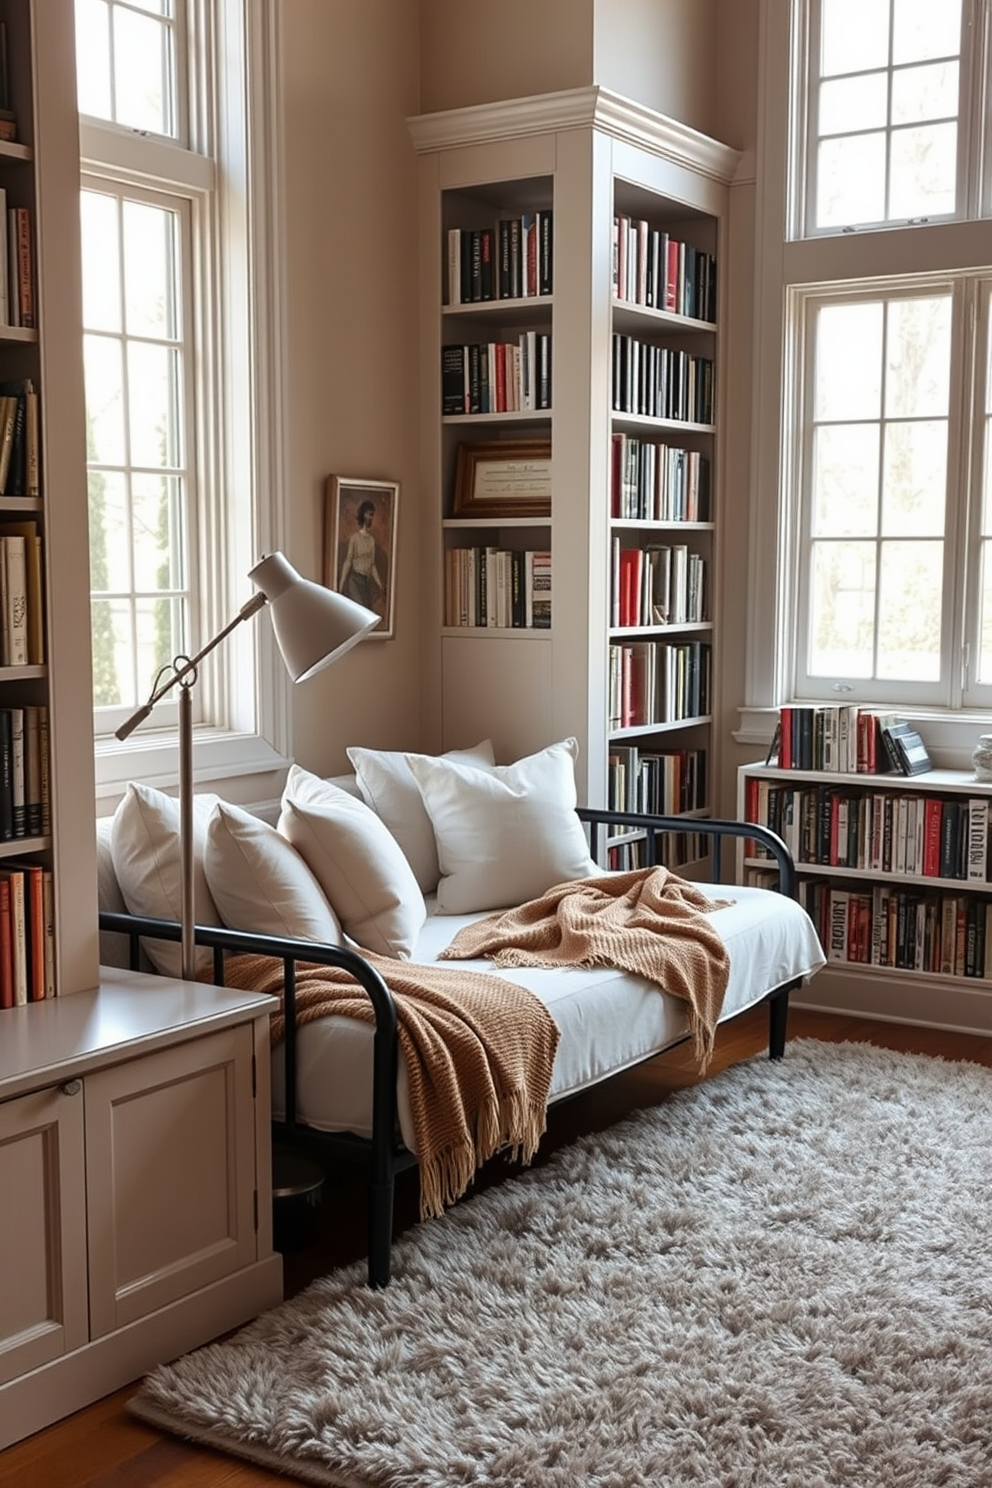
pixel 780 1277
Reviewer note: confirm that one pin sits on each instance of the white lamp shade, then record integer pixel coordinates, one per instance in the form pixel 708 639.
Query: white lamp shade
pixel 313 626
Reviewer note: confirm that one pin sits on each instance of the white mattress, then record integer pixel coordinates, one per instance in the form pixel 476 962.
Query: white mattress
pixel 609 1020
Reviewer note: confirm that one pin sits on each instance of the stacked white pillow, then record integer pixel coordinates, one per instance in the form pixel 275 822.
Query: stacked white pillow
pixel 144 849
pixel 389 788
pixel 505 834
pixel 357 862
pixel 484 835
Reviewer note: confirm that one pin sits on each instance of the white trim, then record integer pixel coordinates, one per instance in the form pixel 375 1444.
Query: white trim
pixel 577 108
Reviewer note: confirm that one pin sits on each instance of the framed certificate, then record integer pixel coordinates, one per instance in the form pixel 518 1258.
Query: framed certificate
pixel 504 478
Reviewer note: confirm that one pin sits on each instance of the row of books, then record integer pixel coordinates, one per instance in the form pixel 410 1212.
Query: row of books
pixel 654 482
pixel 510 261
pixel 661 382
pixel 674 849
pixel 650 267
pixel 927 836
pixel 27 934
pixel 943 934
pixel 657 584
pixel 497 376
pixel 22 627
pixel 654 682
pixel 17 297
pixel 19 448
pixel 846 739
pixel 658 782
pixel 24 787
pixel 501 588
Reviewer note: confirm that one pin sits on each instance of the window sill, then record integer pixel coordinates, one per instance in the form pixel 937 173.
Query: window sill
pixel 153 758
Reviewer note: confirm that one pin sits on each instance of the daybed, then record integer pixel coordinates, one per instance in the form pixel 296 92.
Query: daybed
pixel 350 862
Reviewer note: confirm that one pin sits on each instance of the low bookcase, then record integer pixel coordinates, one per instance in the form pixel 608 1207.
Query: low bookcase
pixel 896 873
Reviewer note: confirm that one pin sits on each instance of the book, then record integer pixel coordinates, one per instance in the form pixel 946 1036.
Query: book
pixel 914 758
pixel 14 586
pixel 18 934
pixel 6 947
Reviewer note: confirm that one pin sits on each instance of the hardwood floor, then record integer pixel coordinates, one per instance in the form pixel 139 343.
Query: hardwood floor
pixel 104 1447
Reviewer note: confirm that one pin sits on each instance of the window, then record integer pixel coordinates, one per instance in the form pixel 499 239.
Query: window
pixel 176 445
pixel 894 110
pixel 873 447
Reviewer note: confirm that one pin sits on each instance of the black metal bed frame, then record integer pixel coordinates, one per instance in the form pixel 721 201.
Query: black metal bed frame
pixel 384 1153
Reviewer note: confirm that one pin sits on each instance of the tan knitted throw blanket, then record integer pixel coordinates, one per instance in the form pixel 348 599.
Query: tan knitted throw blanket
pixel 648 921
pixel 479 1052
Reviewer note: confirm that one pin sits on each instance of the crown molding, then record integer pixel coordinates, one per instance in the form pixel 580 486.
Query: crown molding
pixel 577 108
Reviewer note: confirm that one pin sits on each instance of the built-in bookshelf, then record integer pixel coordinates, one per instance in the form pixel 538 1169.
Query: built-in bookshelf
pixel 621 210
pixel 894 870
pixel 48 941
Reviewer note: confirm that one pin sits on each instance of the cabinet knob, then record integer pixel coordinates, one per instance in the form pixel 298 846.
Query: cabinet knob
pixel 71 1087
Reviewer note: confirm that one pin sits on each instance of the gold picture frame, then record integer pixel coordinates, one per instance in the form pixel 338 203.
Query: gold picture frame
pixel 360 545
pixel 503 478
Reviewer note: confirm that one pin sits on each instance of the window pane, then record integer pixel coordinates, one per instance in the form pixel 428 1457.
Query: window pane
pixel 113 654
pixel 110 553
pixel 915 479
pixel 925 28
pixel 910 582
pixel 854 103
pixel 923 171
pixel 153 384
pixel 159 631
pixel 850 180
pixel 846 387
pixel 845 481
pixel 101 262
pixel 150 254
pixel 156 509
pixel 143 73
pixel 842 609
pixel 104 400
pixel 921 93
pixel 918 357
pixel 93 90
pixel 854 36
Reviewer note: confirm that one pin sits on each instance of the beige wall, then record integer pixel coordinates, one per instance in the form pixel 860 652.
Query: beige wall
pixel 350 81
pixel 475 51
pixel 661 53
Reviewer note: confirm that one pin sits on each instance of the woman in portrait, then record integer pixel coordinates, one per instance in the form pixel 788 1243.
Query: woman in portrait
pixel 360 577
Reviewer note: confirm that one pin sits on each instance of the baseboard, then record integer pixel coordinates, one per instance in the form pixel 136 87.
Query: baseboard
pixel 33 1401
pixel 950 1003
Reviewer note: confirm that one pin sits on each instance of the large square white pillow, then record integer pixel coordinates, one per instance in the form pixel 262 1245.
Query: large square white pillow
pixel 387 785
pixel 357 862
pixel 507 834
pixel 145 852
pixel 260 882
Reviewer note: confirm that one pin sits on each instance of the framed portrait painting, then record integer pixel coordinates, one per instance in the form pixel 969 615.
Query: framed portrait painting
pixel 360 545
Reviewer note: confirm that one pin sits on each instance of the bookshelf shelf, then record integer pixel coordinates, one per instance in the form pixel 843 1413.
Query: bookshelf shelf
pixel 895 870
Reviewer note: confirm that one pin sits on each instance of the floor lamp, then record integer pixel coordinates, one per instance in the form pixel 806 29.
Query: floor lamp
pixel 313 626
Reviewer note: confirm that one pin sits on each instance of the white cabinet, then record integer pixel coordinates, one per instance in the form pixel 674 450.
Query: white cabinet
pixel 135 1172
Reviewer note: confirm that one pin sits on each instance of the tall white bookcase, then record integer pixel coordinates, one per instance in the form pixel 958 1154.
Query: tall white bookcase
pixel 587 157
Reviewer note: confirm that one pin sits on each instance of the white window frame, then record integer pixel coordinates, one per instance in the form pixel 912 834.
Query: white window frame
pixel 240 453
pixel 785 262
pixel 974 167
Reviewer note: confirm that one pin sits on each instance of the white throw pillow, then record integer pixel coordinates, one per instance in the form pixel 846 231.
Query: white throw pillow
pixel 260 882
pixel 357 862
pixel 507 834
pixel 145 851
pixel 387 785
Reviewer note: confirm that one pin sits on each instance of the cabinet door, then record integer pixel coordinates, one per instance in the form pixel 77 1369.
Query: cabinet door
pixel 170 1151
pixel 42 1229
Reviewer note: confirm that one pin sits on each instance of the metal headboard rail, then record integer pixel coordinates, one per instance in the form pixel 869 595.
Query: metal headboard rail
pixel 600 819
